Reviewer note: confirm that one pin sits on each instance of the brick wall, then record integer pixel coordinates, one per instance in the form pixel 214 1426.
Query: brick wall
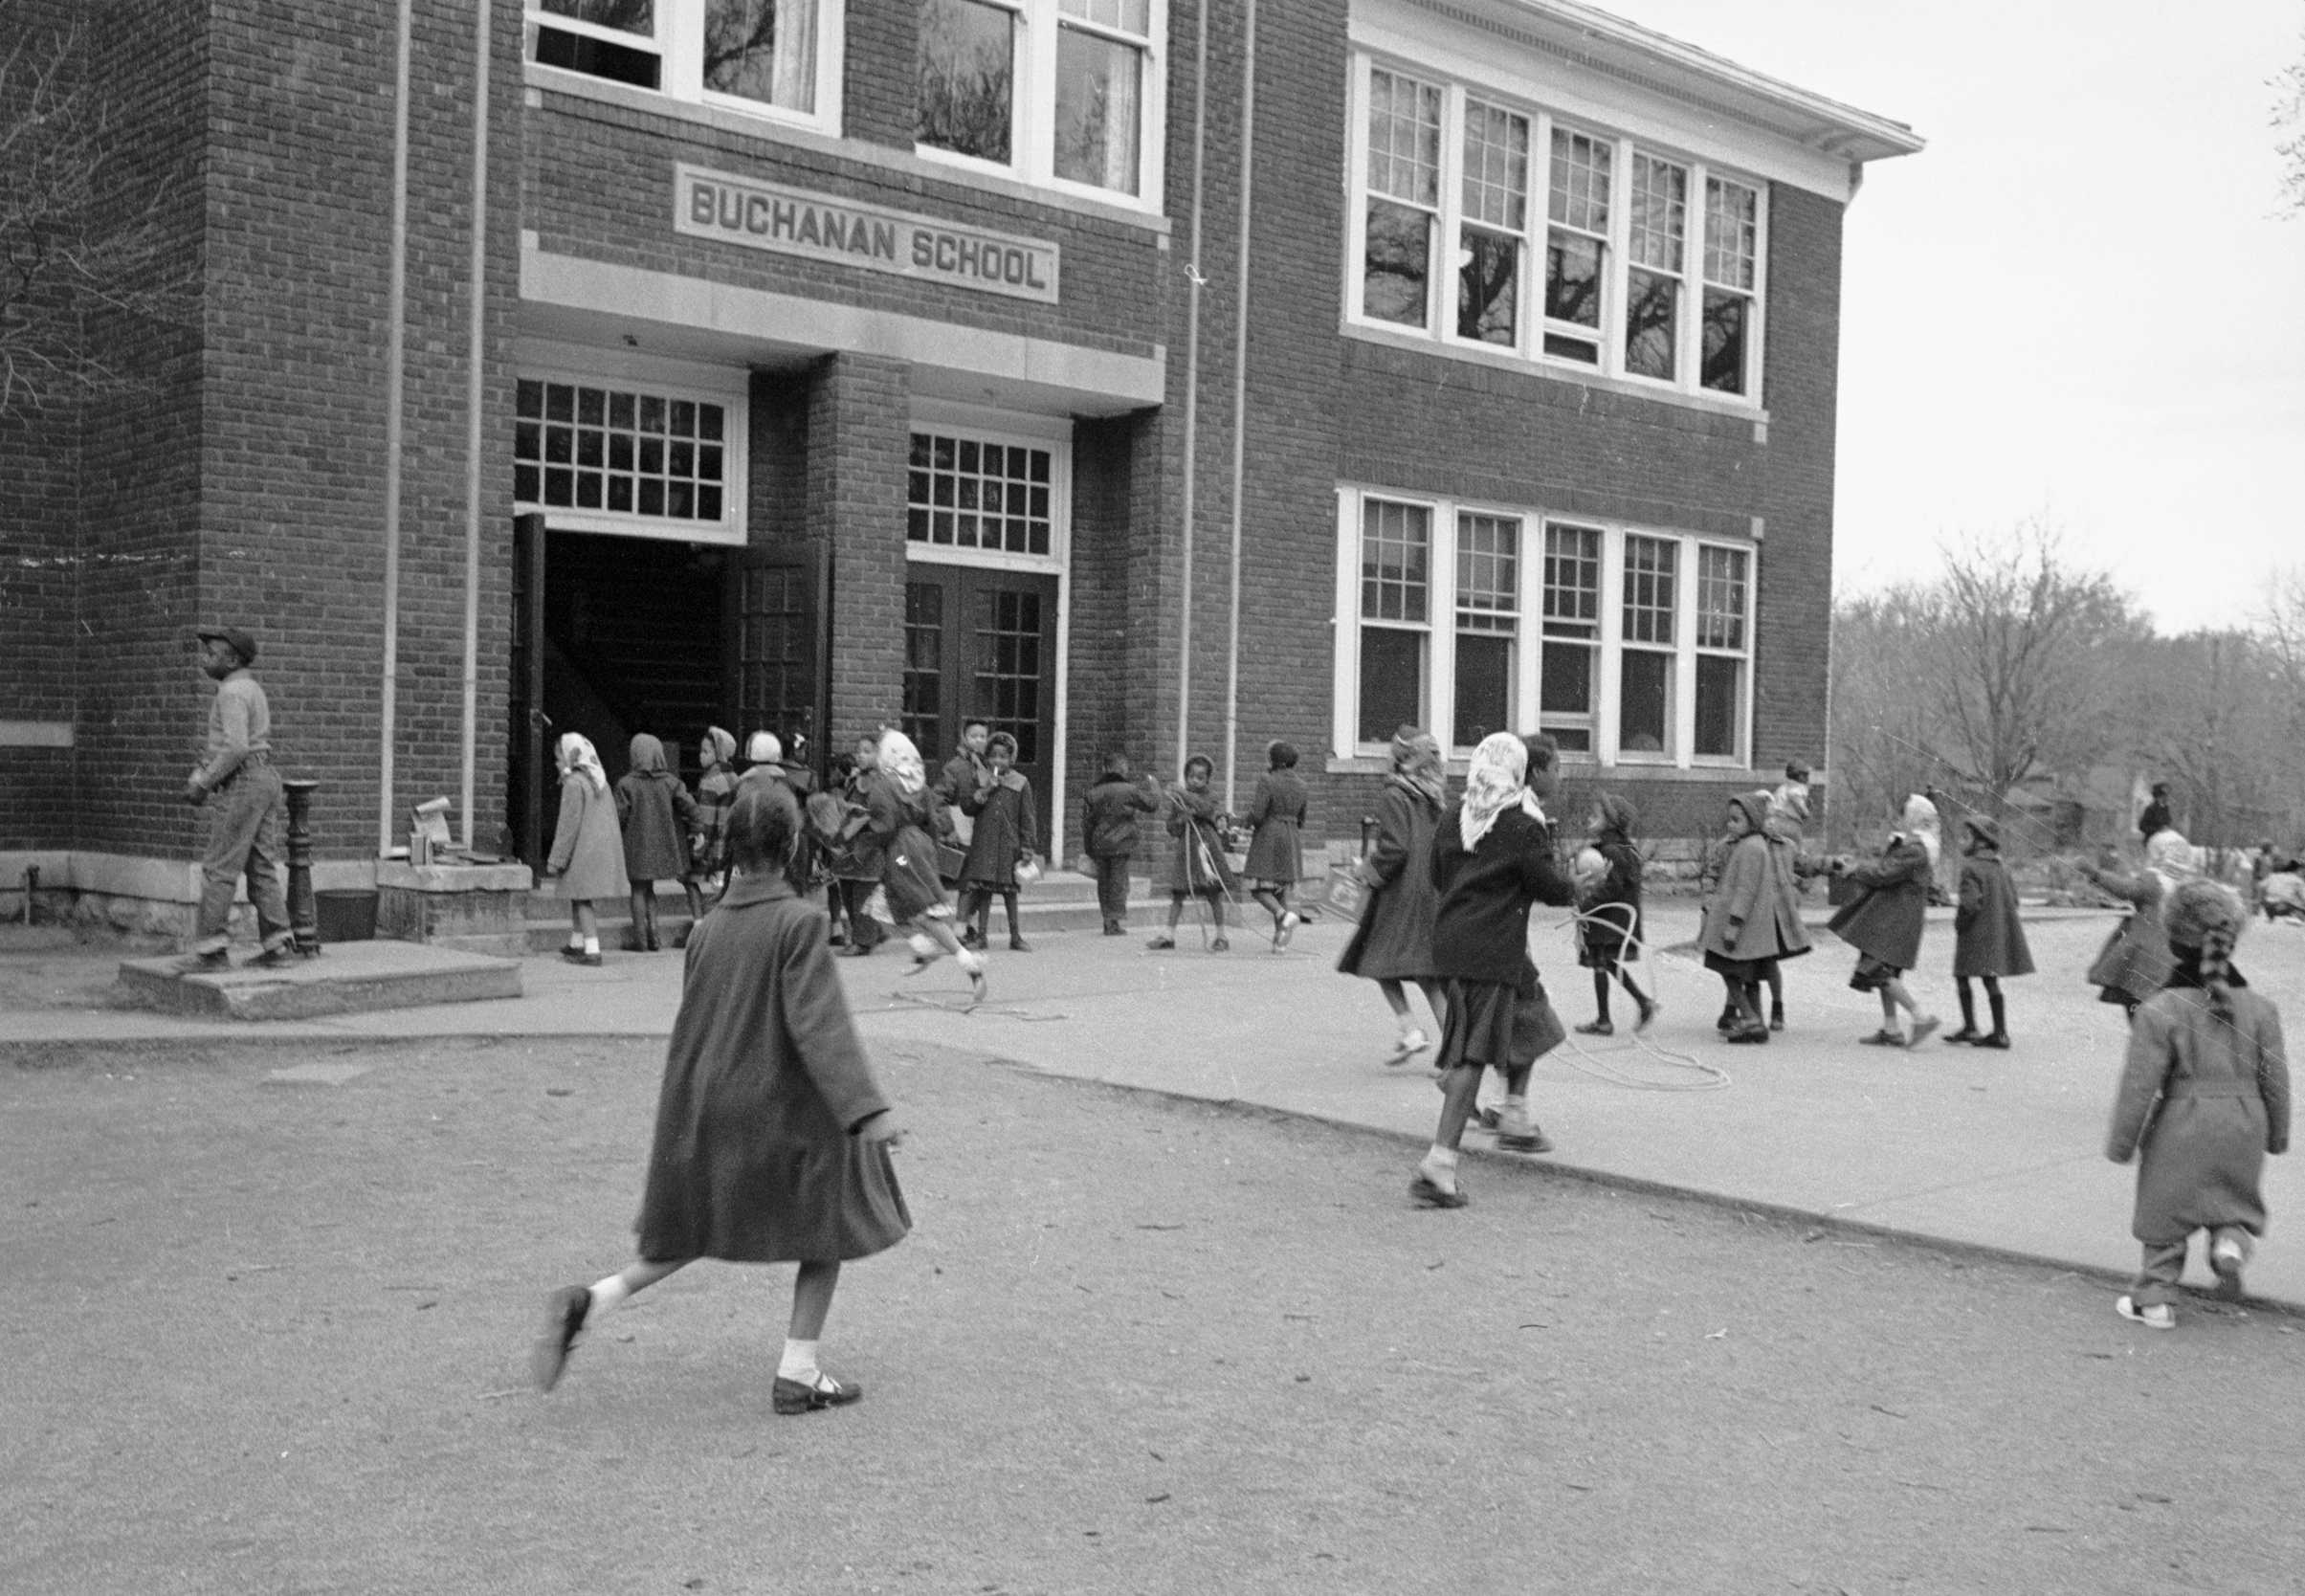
pixel 859 438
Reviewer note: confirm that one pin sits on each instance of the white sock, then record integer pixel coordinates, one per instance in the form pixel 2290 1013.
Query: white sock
pixel 576 941
pixel 972 963
pixel 1521 1103
pixel 607 1294
pixel 1441 1159
pixel 924 946
pixel 799 1361
pixel 591 945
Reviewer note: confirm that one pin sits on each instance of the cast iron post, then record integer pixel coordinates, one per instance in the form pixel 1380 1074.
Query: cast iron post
pixel 302 917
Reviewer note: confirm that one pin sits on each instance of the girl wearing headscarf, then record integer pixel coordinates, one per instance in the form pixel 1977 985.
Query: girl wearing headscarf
pixel 656 813
pixel 2134 962
pixel 1752 919
pixel 1884 921
pixel 1608 917
pixel 901 812
pixel 2205 1095
pixel 708 842
pixel 1491 858
pixel 1393 942
pixel 587 853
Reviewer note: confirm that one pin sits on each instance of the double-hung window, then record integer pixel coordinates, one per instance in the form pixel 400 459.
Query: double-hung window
pixel 1065 92
pixel 1628 644
pixel 779 58
pixel 1639 264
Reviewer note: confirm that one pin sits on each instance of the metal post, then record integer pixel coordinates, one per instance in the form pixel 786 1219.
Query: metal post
pixel 474 395
pixel 395 357
pixel 304 920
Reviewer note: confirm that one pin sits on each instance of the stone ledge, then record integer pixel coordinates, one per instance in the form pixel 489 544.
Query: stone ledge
pixel 345 978
pixel 453 877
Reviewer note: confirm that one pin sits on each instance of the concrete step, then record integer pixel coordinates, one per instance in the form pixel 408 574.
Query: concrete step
pixel 345 978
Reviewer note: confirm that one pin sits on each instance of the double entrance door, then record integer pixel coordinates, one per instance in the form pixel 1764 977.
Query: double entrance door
pixel 980 644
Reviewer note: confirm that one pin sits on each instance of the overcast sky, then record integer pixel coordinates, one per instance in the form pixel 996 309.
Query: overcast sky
pixel 2078 300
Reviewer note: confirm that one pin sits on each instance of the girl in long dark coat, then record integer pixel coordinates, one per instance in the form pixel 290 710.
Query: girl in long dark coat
pixel 656 814
pixel 2205 1093
pixel 1884 924
pixel 903 814
pixel 1988 938
pixel 1491 858
pixel 1609 919
pixel 772 1139
pixel 1006 830
pixel 1197 866
pixel 1275 861
pixel 1393 942
pixel 1751 920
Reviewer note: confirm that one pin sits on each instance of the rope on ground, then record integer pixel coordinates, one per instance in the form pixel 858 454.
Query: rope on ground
pixel 1711 1077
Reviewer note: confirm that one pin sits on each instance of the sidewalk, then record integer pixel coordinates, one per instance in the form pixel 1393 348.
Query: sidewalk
pixel 2000 1151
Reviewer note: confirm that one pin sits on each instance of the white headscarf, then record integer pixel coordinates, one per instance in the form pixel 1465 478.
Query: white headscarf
pixel 902 762
pixel 762 748
pixel 577 754
pixel 2169 857
pixel 1492 784
pixel 1921 826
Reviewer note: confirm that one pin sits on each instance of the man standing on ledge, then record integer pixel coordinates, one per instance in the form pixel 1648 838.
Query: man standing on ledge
pixel 248 818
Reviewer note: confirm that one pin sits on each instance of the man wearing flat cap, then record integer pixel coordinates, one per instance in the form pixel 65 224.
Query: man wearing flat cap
pixel 246 813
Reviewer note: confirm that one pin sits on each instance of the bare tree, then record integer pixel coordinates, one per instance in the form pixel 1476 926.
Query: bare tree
pixel 2289 119
pixel 1881 746
pixel 78 239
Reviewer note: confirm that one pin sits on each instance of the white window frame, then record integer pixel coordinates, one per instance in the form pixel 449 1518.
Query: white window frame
pixel 1437 710
pixel 706 384
pixel 1440 319
pixel 1033 110
pixel 678 41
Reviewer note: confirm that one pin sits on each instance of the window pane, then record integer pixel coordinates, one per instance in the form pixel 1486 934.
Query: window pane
pixel 1404 138
pixel 1721 598
pixel 966 60
pixel 1720 704
pixel 1397 263
pixel 1645 707
pixel 1124 15
pixel 629 16
pixel 969 473
pixel 1484 687
pixel 1660 215
pixel 1488 571
pixel 1568 680
pixel 1580 181
pixel 763 49
pixel 1097 110
pixel 923 663
pixel 1650 570
pixel 1488 287
pixel 1723 358
pixel 1392 682
pixel 598 58
pixel 1572 278
pixel 1651 323
pixel 618 436
pixel 1497 166
pixel 1396 539
pixel 1572 582
pixel 1732 234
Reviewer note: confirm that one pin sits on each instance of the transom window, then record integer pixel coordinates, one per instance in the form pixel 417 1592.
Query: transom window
pixel 1625 233
pixel 1635 646
pixel 974 493
pixel 778 57
pixel 1061 91
pixel 618 451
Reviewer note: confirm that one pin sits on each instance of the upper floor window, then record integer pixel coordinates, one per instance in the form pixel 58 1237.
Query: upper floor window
pixel 1066 92
pixel 1651 264
pixel 779 58
pixel 604 457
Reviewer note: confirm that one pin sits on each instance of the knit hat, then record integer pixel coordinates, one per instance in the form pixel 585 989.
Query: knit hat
pixel 1984 831
pixel 2197 910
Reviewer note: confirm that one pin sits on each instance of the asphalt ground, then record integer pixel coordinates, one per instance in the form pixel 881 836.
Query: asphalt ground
pixel 269 1308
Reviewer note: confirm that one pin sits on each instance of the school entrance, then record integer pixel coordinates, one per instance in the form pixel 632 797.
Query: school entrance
pixel 980 644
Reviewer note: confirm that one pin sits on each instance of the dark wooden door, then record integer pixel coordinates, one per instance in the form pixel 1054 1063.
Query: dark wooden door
pixel 530 777
pixel 981 645
pixel 779 644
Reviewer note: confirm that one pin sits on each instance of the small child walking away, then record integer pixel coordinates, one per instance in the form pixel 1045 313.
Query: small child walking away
pixel 1007 831
pixel 1275 860
pixel 1884 922
pixel 1108 821
pixel 588 854
pixel 2205 1096
pixel 2134 964
pixel 1491 858
pixel 772 1139
pixel 1608 921
pixel 1197 867
pixel 1393 943
pixel 1988 938
pixel 657 814
pixel 1752 919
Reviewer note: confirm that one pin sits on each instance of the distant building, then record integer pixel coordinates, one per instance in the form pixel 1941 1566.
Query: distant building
pixel 840 362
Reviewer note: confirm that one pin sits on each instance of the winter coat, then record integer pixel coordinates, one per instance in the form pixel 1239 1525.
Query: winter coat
pixel 903 830
pixel 963 774
pixel 1006 827
pixel 1609 929
pixel 1108 815
pixel 1988 938
pixel 656 814
pixel 756 1157
pixel 2135 961
pixel 1277 813
pixel 857 858
pixel 1395 939
pixel 716 796
pixel 1196 858
pixel 1886 920
pixel 2223 1091
pixel 1480 931
pixel 587 850
pixel 1753 914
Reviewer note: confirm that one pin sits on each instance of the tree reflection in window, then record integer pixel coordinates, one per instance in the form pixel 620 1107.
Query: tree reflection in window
pixel 966 78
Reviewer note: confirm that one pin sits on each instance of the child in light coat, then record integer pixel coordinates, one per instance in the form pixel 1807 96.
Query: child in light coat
pixel 2204 1097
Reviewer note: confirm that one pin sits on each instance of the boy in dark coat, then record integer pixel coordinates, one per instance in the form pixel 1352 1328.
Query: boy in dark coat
pixel 772 1139
pixel 1108 821
pixel 1005 831
pixel 1275 860
pixel 1393 942
pixel 656 815
pixel 1884 922
pixel 1988 938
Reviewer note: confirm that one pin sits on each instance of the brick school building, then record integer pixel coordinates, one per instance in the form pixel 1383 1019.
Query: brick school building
pixel 1124 374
